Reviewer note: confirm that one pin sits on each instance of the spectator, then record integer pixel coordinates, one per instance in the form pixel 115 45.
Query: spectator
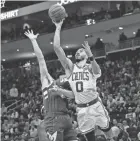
pixel 14 91
pixel 132 131
pixel 6 137
pixel 131 115
pixel 137 111
pixel 107 16
pixel 120 99
pixel 135 4
pixel 123 37
pixel 30 115
pixel 15 115
pixel 99 44
pixel 138 33
pixel 15 124
pixel 111 103
pixel 137 10
pixel 17 131
pixel 23 95
pixel 27 127
pixel 115 131
pixel 125 125
pixel 33 132
pixel 138 136
pixel 115 123
pixel 122 8
pixel 3 109
pixel 36 121
pixel 5 125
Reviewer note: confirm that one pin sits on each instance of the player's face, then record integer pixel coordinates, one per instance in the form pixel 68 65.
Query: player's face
pixel 81 54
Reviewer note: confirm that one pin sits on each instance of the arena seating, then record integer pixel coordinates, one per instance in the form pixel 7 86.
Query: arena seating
pixel 46 26
pixel 119 88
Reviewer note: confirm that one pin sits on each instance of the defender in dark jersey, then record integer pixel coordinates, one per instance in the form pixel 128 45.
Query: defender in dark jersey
pixel 56 121
pixel 57 124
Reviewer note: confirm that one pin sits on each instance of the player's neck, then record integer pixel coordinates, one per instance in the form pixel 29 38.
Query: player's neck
pixel 81 63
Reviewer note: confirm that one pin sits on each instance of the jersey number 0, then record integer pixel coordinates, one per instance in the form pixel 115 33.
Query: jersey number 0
pixel 79 86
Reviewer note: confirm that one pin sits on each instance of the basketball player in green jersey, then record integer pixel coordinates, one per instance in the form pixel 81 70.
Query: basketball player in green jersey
pixel 82 78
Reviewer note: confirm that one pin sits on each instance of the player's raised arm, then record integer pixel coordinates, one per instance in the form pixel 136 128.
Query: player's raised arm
pixel 42 64
pixel 94 66
pixel 66 63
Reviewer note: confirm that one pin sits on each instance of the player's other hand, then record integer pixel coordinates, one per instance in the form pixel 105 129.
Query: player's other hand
pixel 58 25
pixel 31 35
pixel 87 48
pixel 53 89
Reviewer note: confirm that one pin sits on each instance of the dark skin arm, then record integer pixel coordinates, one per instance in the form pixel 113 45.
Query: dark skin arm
pixel 62 92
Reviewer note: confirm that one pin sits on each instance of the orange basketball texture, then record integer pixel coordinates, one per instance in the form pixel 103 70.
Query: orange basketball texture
pixel 57 13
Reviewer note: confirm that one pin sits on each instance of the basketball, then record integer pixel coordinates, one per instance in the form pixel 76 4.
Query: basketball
pixel 57 13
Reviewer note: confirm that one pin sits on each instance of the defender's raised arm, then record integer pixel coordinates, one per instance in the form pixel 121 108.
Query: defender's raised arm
pixel 42 64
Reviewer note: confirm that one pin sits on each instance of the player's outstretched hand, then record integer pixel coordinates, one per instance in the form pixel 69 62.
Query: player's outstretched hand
pixel 57 91
pixel 31 35
pixel 87 48
pixel 53 89
pixel 58 25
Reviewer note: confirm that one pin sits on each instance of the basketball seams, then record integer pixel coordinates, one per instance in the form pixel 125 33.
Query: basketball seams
pixel 57 13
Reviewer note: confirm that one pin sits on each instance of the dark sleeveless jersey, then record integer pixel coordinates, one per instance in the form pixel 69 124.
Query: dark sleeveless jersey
pixel 53 102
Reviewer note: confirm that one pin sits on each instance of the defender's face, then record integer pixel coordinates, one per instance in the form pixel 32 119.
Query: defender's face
pixel 80 54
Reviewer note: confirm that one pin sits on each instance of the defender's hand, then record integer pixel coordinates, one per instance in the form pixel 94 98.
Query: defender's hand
pixel 31 35
pixel 87 48
pixel 55 89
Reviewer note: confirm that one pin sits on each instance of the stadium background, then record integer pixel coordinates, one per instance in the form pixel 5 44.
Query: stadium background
pixel 113 32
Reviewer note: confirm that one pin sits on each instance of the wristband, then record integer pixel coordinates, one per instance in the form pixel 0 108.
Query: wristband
pixel 91 58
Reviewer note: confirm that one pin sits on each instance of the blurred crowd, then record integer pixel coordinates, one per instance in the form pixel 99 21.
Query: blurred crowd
pixel 123 37
pixel 14 31
pixel 118 87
